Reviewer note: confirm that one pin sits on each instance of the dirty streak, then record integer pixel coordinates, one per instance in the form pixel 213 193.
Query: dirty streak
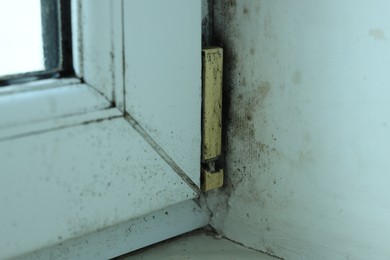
pixel 46 130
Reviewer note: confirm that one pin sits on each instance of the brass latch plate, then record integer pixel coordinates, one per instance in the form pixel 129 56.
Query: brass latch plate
pixel 212 117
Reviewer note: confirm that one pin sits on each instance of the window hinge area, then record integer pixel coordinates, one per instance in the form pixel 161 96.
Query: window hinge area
pixel 212 174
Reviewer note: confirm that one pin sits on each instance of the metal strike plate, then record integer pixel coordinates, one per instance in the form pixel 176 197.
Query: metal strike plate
pixel 212 118
pixel 212 180
pixel 212 103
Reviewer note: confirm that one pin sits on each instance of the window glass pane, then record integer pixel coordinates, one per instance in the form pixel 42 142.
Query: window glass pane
pixel 21 47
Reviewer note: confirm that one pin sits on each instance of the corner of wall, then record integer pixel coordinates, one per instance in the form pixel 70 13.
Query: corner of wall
pixel 217 201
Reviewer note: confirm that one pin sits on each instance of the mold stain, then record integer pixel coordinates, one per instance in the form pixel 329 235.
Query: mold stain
pixel 269 251
pixel 244 122
pixel 246 99
pixel 242 117
pixel 245 10
pixel 377 34
pixel 232 3
pixel 264 90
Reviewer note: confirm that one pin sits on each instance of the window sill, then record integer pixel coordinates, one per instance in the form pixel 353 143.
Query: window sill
pixel 52 106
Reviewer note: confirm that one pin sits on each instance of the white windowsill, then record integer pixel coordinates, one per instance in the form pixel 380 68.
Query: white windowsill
pixel 24 105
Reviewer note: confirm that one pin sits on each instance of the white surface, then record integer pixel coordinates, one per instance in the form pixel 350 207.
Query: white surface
pixel 309 137
pixel 65 183
pixel 129 235
pixel 163 56
pixel 198 246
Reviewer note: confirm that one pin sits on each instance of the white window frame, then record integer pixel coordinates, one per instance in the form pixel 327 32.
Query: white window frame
pixel 99 93
pixel 80 98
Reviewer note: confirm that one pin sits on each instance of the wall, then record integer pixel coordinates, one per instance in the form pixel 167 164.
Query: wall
pixel 307 127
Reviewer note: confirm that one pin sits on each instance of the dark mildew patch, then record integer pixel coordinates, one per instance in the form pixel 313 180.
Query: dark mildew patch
pixel 245 10
pixel 232 2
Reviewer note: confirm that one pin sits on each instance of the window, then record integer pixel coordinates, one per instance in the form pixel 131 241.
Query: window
pixel 36 40
pixel 118 140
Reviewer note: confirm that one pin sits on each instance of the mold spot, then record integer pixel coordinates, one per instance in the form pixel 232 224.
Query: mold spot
pixel 249 116
pixel 377 34
pixel 232 3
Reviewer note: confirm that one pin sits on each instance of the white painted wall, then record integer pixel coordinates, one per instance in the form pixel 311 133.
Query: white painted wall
pixel 308 138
